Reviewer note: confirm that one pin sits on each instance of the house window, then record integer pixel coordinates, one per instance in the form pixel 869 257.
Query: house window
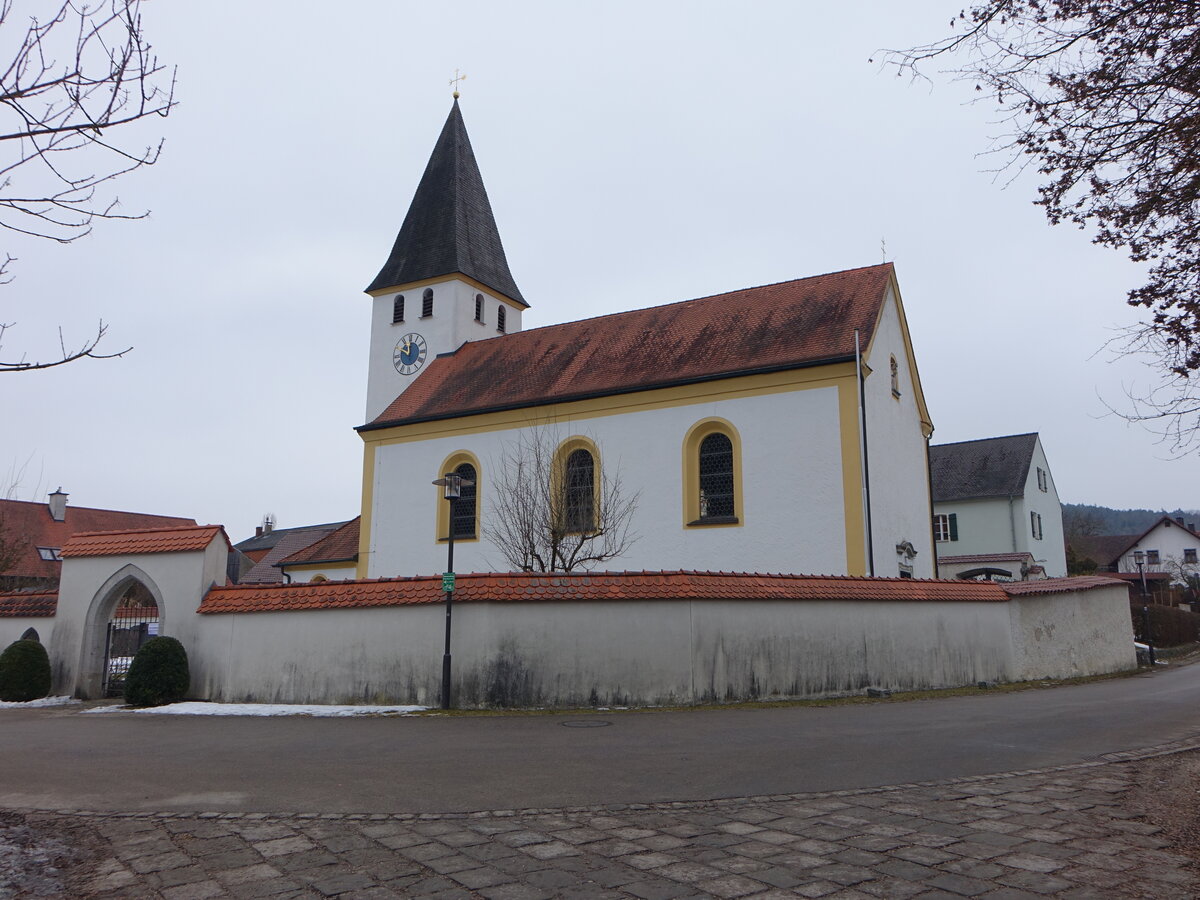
pixel 1035 526
pixel 500 319
pixel 1189 554
pixel 579 500
pixel 479 307
pixel 50 554
pixel 462 509
pixel 716 477
pixel 398 309
pixel 427 303
pixel 1152 557
pixel 895 378
pixel 1043 481
pixel 945 527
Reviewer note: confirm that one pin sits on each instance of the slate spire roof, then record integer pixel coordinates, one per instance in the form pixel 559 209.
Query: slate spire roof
pixel 449 228
pixel 973 470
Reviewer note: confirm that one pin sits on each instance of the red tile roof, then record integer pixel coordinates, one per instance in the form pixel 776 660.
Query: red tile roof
pixel 985 557
pixel 34 525
pixel 338 546
pixel 161 540
pixel 28 604
pixel 774 327
pixel 612 586
pixel 1058 585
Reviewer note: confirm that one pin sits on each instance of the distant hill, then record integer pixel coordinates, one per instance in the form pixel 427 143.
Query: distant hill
pixel 1085 519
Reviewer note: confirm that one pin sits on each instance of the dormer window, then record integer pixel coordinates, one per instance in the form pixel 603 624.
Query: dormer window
pixel 427 303
pixel 398 309
pixel 479 308
pixel 500 316
pixel 50 554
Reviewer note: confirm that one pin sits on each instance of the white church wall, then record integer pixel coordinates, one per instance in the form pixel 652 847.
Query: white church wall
pixel 13 628
pixel 177 581
pixel 1065 635
pixel 791 466
pixel 650 652
pixel 896 452
pixel 451 325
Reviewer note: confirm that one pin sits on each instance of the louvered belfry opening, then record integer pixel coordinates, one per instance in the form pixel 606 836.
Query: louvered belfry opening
pixel 580 478
pixel 134 621
pixel 716 477
pixel 462 508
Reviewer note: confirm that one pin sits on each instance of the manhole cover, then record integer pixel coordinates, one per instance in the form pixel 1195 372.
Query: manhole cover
pixel 584 723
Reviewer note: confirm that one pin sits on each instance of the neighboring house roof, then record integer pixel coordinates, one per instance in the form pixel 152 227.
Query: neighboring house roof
pixel 337 546
pixel 269 539
pixel 266 570
pixel 28 604
pixel 1102 549
pixel 790 325
pixel 33 523
pixel 1107 549
pixel 161 540
pixel 449 227
pixel 973 470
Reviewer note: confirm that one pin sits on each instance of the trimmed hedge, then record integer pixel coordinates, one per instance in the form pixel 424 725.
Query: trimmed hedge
pixel 24 672
pixel 1169 627
pixel 158 674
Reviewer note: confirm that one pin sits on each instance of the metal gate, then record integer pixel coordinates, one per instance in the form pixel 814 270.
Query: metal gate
pixel 131 625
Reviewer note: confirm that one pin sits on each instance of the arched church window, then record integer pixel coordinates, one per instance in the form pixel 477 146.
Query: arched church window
pixel 716 477
pixel 463 509
pixel 398 309
pixel 579 500
pixel 500 317
pixel 479 307
pixel 712 478
pixel 427 303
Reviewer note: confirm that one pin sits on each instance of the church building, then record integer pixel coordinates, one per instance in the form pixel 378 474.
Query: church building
pixel 779 428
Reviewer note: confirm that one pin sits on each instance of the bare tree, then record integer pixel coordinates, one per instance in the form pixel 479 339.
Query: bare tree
pixel 1102 98
pixel 534 523
pixel 77 81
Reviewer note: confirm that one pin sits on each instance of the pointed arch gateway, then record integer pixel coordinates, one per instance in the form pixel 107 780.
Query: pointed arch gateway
pixel 124 614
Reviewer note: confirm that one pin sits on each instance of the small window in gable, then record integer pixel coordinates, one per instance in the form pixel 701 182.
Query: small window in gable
pixel 479 307
pixel 398 309
pixel 1043 481
pixel 895 378
pixel 500 319
pixel 427 303
pixel 1035 526
pixel 50 554
pixel 1189 554
pixel 1152 557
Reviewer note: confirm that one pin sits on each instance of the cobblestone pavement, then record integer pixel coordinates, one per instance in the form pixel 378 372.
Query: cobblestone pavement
pixel 1064 832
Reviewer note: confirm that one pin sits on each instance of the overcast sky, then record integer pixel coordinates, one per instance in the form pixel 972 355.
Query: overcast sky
pixel 635 154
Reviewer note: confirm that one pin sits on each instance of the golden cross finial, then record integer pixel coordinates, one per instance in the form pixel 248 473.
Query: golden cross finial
pixel 455 80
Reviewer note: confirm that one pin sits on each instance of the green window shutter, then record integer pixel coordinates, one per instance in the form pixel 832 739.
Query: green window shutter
pixel 953 526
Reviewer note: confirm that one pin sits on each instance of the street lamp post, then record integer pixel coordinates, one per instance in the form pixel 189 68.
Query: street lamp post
pixel 453 485
pixel 1139 558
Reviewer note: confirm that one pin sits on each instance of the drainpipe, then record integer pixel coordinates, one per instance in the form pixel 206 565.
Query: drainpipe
pixel 862 449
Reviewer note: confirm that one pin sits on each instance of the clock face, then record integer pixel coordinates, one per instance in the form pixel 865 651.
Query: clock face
pixel 409 354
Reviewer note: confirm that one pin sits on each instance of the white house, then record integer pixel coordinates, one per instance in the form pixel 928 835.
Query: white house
pixel 779 428
pixel 996 510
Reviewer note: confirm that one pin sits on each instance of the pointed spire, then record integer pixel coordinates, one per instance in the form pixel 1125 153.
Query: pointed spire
pixel 449 228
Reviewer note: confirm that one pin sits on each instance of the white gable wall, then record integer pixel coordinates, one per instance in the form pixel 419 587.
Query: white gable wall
pixel 1050 550
pixel 1170 540
pixel 791 466
pixel 896 451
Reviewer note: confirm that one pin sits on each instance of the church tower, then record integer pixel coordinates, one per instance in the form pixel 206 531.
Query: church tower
pixel 446 280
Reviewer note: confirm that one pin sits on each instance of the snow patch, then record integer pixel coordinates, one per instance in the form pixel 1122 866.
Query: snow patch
pixel 193 708
pixel 32 704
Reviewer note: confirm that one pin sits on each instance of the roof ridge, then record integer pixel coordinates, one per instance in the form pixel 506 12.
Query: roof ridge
pixel 74 507
pixel 999 437
pixel 78 534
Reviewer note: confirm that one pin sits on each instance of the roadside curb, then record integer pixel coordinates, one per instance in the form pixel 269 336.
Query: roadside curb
pixel 1107 759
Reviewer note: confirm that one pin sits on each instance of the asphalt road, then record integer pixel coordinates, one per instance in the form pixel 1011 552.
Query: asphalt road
pixel 64 759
